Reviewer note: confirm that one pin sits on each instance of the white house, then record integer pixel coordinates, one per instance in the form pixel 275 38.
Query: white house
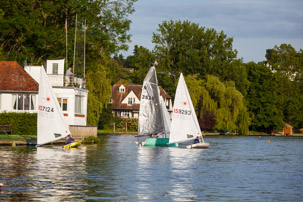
pixel 72 98
pixel 19 90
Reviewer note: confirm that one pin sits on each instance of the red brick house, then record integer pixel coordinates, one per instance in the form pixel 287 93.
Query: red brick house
pixel 18 90
pixel 126 100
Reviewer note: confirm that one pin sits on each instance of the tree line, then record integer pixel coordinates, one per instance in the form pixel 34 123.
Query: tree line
pixel 227 93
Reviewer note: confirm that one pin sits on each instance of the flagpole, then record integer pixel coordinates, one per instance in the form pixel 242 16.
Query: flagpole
pixel 66 58
pixel 84 47
pixel 75 45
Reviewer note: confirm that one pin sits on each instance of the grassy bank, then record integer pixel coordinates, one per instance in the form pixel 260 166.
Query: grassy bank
pixel 18 137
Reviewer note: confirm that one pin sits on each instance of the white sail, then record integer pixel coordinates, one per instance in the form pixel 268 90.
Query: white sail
pixel 166 118
pixel 150 117
pixel 184 126
pixel 51 125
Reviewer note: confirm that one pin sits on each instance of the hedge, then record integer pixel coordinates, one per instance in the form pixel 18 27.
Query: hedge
pixel 22 123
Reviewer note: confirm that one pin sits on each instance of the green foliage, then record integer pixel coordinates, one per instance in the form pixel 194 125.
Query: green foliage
pixel 287 65
pixel 22 123
pixel 196 50
pixel 263 98
pixel 286 60
pixel 140 61
pixel 34 30
pixel 99 86
pixel 132 124
pixel 91 140
pixel 106 117
pixel 218 105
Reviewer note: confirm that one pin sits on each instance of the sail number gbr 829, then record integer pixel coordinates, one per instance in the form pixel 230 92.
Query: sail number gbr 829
pixel 182 111
pixel 147 97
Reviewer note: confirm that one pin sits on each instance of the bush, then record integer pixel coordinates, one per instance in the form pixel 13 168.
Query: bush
pixel 23 123
pixel 91 140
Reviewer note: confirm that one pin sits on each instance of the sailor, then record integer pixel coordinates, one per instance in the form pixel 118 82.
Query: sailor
pixel 197 140
pixel 69 139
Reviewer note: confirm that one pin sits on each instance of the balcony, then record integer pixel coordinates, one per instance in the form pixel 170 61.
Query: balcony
pixel 59 80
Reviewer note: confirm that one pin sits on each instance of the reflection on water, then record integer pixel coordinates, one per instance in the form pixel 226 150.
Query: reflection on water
pixel 45 173
pixel 233 168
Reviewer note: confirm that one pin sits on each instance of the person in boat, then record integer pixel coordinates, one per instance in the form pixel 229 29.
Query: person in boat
pixel 153 136
pixel 197 140
pixel 69 139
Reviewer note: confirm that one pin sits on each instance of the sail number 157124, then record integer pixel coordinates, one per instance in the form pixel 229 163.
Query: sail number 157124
pixel 182 111
pixel 46 109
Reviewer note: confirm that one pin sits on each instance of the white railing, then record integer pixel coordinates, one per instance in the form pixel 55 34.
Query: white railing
pixel 61 80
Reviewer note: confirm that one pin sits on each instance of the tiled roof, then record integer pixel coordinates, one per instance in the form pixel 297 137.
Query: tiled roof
pixel 14 78
pixel 118 97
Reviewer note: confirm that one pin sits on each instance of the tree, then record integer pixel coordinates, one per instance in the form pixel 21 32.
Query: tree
pixel 106 117
pixel 196 50
pixel 208 120
pixel 287 66
pixel 99 86
pixel 34 30
pixel 286 60
pixel 222 99
pixel 263 98
pixel 141 60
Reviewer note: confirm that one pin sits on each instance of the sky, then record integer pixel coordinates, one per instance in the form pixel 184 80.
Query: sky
pixel 255 25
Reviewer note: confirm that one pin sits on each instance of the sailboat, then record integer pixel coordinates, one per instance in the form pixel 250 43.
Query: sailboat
pixel 50 125
pixel 151 113
pixel 185 127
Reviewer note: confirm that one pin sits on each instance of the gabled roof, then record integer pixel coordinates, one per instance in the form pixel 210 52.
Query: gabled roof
pixel 14 78
pixel 118 97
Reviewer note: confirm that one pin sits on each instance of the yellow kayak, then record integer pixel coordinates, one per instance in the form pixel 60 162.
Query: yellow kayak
pixel 72 145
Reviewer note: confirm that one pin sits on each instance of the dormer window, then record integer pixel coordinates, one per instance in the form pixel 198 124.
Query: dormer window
pixel 122 89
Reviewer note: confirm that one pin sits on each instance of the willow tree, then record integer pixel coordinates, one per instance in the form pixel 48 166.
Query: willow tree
pixel 223 99
pixel 99 86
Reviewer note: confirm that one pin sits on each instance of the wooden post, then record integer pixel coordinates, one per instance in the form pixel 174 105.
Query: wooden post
pixel 125 126
pixel 114 127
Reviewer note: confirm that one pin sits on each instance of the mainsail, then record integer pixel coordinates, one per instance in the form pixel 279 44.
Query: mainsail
pixel 184 126
pixel 51 125
pixel 150 117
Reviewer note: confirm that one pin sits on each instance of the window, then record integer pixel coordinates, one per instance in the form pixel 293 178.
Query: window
pixel 24 102
pixel 131 101
pixel 63 104
pixel 79 104
pixel 122 89
pixel 55 68
pixel 125 114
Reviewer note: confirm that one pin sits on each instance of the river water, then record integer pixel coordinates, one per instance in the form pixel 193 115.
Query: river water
pixel 232 169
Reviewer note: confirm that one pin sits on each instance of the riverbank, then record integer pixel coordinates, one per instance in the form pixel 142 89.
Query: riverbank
pixel 25 140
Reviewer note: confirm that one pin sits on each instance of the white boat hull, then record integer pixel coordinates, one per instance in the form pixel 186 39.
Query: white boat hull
pixel 201 145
